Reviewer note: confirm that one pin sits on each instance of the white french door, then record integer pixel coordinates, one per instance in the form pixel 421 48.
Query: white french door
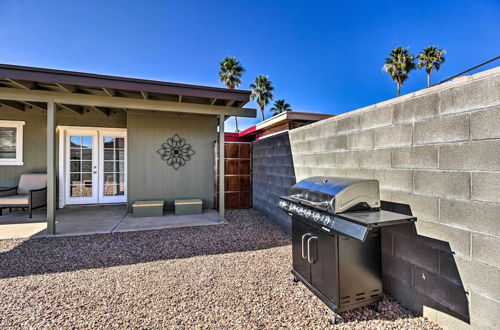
pixel 93 169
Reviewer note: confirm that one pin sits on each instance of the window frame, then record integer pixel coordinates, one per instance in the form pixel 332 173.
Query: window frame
pixel 19 125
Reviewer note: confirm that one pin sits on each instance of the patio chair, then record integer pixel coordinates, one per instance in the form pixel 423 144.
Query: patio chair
pixel 31 192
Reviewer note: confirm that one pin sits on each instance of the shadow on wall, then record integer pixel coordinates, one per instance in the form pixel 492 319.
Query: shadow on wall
pixel 273 176
pixel 247 230
pixel 419 271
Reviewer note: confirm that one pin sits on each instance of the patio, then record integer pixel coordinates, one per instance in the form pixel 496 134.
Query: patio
pixel 85 220
pixel 171 278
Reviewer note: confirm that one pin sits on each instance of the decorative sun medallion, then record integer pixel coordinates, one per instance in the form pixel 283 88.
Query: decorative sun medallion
pixel 176 152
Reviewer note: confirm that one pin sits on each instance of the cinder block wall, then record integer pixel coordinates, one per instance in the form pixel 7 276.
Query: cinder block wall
pixel 437 150
pixel 273 175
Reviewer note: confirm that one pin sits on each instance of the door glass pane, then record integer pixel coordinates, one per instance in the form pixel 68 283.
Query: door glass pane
pixel 114 159
pixel 75 142
pixel 75 154
pixel 86 178
pixel 109 178
pixel 120 143
pixel 76 191
pixel 120 155
pixel 87 154
pixel 108 154
pixel 74 166
pixel 87 142
pixel 75 179
pixel 80 166
pixel 108 166
pixel 109 143
pixel 120 166
pixel 109 190
pixel 86 166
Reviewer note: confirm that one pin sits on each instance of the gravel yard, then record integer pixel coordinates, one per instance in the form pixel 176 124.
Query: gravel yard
pixel 223 276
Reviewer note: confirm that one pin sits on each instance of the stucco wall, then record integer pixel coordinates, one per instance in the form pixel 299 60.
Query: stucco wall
pixel 437 150
pixel 35 136
pixel 149 177
pixel 273 175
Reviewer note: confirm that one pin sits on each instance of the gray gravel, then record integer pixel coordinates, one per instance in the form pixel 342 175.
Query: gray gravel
pixel 226 276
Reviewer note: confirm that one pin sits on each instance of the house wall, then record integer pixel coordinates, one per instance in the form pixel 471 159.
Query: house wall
pixel 438 151
pixel 35 136
pixel 149 177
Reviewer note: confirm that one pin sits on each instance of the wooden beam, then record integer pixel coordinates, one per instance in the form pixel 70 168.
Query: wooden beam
pixel 14 105
pixel 22 84
pixel 121 102
pixel 145 95
pixel 212 102
pixel 67 88
pixel 221 170
pixel 103 110
pixel 37 105
pixel 51 168
pixel 74 108
pixel 109 91
pixel 229 103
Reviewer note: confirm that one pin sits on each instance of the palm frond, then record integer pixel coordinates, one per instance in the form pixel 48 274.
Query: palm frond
pixel 280 106
pixel 230 72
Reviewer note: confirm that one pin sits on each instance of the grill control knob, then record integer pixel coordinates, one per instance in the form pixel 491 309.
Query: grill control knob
pixel 326 220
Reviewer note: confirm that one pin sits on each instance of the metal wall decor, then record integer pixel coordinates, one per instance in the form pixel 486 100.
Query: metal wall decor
pixel 176 152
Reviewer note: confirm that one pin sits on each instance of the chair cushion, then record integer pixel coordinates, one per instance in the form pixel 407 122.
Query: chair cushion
pixel 14 200
pixel 28 182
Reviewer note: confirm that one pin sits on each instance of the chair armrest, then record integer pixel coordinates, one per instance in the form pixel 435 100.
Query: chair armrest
pixel 8 191
pixel 38 197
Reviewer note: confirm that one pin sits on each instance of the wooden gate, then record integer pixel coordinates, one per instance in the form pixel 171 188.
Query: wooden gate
pixel 238 175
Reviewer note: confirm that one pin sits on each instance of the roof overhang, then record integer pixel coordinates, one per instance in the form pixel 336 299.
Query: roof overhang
pixel 289 116
pixel 28 84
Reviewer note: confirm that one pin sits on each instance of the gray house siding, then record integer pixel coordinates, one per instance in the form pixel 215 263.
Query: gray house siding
pixel 149 177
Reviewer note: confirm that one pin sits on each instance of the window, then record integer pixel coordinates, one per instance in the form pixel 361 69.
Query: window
pixel 11 142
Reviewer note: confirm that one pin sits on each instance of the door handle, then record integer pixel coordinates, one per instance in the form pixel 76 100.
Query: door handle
pixel 304 246
pixel 309 259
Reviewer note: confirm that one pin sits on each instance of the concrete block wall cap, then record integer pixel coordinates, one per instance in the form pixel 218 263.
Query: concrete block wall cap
pixel 486 73
pixel 425 91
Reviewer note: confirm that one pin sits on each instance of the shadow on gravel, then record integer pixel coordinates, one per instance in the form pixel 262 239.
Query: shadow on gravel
pixel 247 230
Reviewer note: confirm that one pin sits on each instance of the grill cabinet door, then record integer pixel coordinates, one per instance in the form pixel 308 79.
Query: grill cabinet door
pixel 300 265
pixel 324 269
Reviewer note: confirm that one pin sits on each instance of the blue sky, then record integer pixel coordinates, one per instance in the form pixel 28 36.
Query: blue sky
pixel 322 56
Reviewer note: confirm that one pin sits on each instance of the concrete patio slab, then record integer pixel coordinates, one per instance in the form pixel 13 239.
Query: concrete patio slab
pixel 86 220
pixel 169 220
pixel 16 224
pixel 89 220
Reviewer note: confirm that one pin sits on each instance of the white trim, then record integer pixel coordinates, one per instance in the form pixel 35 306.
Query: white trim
pixel 18 161
pixel 98 133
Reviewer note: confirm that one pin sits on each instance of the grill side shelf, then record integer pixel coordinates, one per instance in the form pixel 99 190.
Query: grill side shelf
pixel 376 218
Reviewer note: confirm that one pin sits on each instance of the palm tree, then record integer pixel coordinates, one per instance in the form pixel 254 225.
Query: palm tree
pixel 398 65
pixel 280 106
pixel 431 58
pixel 262 90
pixel 230 73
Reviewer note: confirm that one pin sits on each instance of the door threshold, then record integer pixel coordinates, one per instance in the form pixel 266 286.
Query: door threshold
pixel 94 205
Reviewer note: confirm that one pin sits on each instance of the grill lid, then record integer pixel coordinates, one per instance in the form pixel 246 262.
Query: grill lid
pixel 336 194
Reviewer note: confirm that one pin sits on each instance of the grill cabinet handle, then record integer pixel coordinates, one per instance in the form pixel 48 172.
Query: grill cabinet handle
pixel 323 205
pixel 311 261
pixel 304 245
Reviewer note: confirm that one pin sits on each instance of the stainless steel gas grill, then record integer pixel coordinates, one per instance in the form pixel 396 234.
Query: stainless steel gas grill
pixel 336 239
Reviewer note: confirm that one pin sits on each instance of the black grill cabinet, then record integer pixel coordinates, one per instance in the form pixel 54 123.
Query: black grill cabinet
pixel 336 239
